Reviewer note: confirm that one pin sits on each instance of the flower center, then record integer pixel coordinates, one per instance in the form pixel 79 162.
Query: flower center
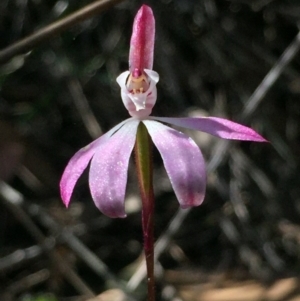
pixel 137 82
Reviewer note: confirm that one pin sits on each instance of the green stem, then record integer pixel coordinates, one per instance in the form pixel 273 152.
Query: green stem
pixel 143 156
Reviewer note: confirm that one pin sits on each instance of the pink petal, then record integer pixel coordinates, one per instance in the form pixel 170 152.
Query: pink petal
pixel 183 162
pixel 79 162
pixel 220 127
pixel 142 40
pixel 109 168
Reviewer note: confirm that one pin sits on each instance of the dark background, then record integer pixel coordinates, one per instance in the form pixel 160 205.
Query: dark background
pixel 211 56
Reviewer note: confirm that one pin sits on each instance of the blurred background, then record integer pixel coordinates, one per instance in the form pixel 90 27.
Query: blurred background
pixel 236 59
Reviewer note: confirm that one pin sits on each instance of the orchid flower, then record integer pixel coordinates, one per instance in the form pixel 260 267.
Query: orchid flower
pixel 109 155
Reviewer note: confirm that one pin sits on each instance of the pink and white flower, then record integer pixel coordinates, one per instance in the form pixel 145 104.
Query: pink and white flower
pixel 109 155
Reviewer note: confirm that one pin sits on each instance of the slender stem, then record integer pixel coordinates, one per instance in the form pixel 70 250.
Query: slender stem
pixel 143 155
pixel 55 28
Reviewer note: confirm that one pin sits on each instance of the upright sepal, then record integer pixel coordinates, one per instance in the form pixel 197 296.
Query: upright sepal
pixel 142 41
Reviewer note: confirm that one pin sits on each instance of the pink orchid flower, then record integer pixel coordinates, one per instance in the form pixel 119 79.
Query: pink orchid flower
pixel 109 154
